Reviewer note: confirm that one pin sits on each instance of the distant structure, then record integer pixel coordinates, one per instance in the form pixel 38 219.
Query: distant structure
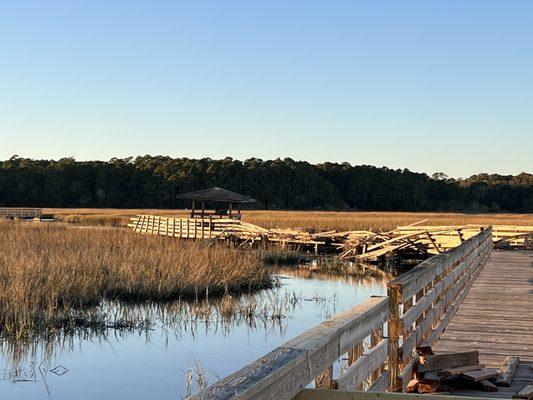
pixel 21 213
pixel 223 199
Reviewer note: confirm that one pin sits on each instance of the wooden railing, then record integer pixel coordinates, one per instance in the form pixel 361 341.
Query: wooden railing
pixel 446 237
pixel 195 228
pixel 285 371
pixel 420 305
pixel 423 301
pixel 21 212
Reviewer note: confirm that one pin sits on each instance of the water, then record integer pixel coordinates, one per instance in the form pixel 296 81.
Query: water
pixel 156 363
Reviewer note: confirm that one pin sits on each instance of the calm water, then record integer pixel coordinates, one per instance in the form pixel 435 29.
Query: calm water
pixel 141 365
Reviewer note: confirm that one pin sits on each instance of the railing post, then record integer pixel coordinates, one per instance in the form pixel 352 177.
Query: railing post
pixel 395 330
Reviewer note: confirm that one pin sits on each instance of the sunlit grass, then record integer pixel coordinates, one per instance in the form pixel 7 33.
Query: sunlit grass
pixel 316 220
pixel 48 273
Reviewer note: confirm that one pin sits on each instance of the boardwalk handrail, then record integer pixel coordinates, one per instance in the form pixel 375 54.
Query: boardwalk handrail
pixel 286 370
pixel 424 300
pixel 419 306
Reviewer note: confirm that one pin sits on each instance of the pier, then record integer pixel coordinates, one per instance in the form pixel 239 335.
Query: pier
pixel 469 297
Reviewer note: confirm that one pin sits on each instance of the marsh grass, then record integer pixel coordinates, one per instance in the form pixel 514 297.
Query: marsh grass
pixel 276 256
pixel 54 277
pixel 314 220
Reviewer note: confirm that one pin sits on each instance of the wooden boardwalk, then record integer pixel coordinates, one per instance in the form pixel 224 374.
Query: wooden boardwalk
pixel 468 298
pixel 496 317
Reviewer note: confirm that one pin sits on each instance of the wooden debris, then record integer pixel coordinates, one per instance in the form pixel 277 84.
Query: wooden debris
pixel 412 386
pixel 480 375
pixel 438 373
pixel 424 351
pixel 525 393
pixel 488 386
pixel 446 361
pixel 507 371
pixel 432 386
pixel 459 370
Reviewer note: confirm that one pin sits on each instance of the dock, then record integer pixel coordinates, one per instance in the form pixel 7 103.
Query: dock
pixel 469 297
pixel 496 318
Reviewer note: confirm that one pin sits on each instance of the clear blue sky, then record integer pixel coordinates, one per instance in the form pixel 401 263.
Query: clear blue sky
pixel 426 85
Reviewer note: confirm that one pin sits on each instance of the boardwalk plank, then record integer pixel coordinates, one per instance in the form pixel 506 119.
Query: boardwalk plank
pixel 496 318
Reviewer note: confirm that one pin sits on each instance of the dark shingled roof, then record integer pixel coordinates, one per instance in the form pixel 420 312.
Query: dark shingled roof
pixel 217 194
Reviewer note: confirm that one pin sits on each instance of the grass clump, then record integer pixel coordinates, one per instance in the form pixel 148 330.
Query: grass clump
pixel 50 274
pixel 283 257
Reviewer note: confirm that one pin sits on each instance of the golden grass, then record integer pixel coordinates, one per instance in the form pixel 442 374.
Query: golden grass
pixel 318 220
pixel 49 271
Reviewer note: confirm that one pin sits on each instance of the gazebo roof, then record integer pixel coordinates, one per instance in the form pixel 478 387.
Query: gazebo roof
pixel 217 194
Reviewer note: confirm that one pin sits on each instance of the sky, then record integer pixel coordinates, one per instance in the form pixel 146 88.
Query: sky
pixel 426 85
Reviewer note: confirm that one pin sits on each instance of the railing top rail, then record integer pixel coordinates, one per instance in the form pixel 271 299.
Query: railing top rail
pixel 414 280
pixel 286 370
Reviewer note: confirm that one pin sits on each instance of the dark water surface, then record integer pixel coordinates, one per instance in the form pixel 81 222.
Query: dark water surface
pixel 167 361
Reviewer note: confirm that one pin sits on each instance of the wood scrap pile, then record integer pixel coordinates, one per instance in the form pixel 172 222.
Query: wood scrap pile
pixel 450 372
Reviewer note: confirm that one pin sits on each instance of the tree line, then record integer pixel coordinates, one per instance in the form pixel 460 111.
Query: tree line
pixel 155 181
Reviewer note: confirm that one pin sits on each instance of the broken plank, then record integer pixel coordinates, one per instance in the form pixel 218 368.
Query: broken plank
pixel 488 386
pixel 480 375
pixel 450 360
pixel 507 371
pixel 459 370
pixel 432 386
pixel 525 393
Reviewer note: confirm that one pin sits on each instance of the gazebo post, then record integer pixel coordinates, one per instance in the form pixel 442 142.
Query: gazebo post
pixel 230 209
pixel 192 209
pixel 203 208
pixel 239 211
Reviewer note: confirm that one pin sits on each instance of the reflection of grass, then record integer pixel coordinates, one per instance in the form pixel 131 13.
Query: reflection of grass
pixel 283 257
pixel 51 276
pixel 114 320
pixel 318 220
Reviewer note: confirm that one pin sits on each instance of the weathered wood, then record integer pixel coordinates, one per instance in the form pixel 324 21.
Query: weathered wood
pixel 381 384
pixel 395 330
pixel 480 374
pixel 325 379
pixel 525 393
pixel 364 366
pixel 487 386
pixel 286 370
pixel 507 371
pixel 412 386
pixel 446 361
pixel 432 386
pixel 493 316
pixel 459 370
pixel 324 394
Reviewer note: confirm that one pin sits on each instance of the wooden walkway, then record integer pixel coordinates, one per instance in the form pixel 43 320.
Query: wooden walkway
pixel 468 298
pixel 496 317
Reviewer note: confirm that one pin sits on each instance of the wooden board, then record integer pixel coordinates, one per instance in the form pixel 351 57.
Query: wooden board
pixel 507 371
pixel 480 374
pixel 445 361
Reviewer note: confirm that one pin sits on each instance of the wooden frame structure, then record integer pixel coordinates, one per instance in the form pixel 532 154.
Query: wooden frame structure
pixel 419 306
pixel 21 213
pixel 349 245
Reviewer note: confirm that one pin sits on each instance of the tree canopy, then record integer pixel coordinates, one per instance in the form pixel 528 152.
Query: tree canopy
pixel 155 181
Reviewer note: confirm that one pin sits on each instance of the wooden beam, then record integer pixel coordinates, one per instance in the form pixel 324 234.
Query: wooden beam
pixel 446 361
pixel 480 375
pixel 507 371
pixel 459 370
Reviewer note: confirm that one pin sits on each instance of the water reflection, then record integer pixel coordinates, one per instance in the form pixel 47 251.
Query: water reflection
pixel 172 349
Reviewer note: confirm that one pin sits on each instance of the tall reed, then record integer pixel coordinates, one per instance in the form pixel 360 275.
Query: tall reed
pixel 48 273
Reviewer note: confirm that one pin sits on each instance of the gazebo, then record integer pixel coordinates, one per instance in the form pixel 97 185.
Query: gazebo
pixel 224 200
